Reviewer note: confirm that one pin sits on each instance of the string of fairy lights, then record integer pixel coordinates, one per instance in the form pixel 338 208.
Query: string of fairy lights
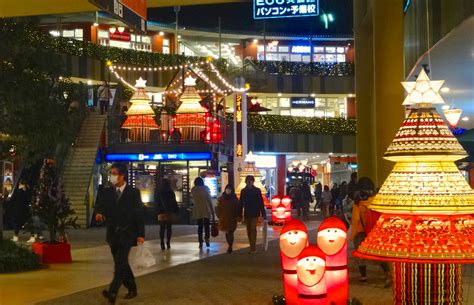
pixel 197 68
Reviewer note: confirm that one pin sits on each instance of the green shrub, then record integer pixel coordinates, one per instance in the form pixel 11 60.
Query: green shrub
pixel 15 258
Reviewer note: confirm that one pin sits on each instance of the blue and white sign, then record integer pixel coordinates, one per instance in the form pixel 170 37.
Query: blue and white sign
pixel 303 102
pixel 301 49
pixel 266 9
pixel 193 156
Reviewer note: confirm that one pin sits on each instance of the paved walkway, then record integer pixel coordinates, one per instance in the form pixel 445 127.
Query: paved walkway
pixel 183 275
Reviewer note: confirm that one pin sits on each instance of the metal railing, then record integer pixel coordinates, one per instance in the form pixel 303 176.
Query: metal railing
pixel 183 128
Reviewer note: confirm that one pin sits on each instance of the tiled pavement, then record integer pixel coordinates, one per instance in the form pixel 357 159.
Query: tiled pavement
pixel 182 276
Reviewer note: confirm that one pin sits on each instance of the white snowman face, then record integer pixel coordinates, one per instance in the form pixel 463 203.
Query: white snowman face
pixel 331 240
pixel 280 211
pixel 310 270
pixel 293 242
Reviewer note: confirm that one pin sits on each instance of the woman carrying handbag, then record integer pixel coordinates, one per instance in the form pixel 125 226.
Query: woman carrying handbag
pixel 227 211
pixel 167 210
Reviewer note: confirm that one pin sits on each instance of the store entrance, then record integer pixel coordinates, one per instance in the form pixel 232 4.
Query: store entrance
pixel 147 177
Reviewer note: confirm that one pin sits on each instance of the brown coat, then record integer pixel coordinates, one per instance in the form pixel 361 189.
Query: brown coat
pixel 227 211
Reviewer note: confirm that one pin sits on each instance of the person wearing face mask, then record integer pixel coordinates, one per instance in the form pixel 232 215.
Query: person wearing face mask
pixel 121 207
pixel 227 211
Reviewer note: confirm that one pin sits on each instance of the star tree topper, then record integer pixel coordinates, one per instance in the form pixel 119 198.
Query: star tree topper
pixel 140 83
pixel 423 90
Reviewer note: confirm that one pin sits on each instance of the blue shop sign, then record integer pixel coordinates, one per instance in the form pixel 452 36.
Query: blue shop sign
pixel 192 156
pixel 303 102
pixel 266 9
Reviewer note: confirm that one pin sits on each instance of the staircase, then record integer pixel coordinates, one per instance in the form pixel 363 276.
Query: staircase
pixel 79 165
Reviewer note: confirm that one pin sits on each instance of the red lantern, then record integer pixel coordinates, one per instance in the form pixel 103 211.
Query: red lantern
pixel 281 209
pixel 310 270
pixel 293 240
pixel 332 240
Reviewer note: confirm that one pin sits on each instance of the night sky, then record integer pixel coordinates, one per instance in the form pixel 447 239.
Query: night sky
pixel 238 17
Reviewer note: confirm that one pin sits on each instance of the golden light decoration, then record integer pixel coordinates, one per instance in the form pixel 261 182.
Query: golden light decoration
pixel 252 170
pixel 140 116
pixel 426 228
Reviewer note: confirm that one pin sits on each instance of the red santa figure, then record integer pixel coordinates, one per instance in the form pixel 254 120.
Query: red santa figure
pixel 332 240
pixel 293 240
pixel 310 270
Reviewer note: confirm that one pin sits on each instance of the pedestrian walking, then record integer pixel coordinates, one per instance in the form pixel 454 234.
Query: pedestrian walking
pixel 104 95
pixel 20 208
pixel 317 195
pixel 167 211
pixel 122 209
pixel 203 210
pixel 252 208
pixel 227 211
pixel 326 199
pixel 295 194
pixel 361 227
pixel 352 186
pixel 306 199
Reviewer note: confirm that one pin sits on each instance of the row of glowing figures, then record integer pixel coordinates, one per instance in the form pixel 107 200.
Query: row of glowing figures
pixel 315 274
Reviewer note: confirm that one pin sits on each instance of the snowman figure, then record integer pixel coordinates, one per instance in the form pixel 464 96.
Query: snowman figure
pixel 332 240
pixel 293 240
pixel 310 270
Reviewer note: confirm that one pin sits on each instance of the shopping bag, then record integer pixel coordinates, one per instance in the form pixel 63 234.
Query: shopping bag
pixel 141 257
pixel 214 229
pixel 265 235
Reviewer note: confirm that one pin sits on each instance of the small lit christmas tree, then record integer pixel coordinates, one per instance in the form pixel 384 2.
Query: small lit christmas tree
pixel 51 204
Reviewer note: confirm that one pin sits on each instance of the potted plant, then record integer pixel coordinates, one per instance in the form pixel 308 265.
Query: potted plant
pixel 54 210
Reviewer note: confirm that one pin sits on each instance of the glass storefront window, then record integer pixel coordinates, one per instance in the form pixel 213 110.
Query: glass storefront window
pixel 295 57
pixel 319 58
pixel 330 58
pixel 283 57
pixel 284 102
pixel 330 50
pixel 271 103
pixel 320 102
pixel 340 50
pixel 284 49
pixel 341 58
pixel 272 49
pixel 302 112
pixel 285 112
pixel 306 58
pixel 318 49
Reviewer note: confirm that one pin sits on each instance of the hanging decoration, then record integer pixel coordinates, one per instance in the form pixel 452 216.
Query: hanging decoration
pixel 452 116
pixel 251 169
pixel 140 116
pixel 426 228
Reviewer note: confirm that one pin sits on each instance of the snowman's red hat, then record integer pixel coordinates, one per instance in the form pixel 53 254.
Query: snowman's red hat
pixel 294 225
pixel 332 222
pixel 312 251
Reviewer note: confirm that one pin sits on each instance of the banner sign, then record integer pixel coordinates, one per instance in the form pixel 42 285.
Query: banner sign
pixel 303 102
pixel 238 119
pixel 196 156
pixel 266 9
pixel 134 16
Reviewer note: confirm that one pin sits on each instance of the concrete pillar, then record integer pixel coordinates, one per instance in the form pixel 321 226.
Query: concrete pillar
pixel 379 66
pixel 281 174
pixel 351 108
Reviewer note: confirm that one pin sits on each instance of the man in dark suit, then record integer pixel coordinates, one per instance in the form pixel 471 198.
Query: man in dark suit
pixel 122 209
pixel 252 208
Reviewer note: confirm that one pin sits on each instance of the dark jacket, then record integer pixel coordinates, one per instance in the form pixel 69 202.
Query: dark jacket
pixel 166 202
pixel 20 206
pixel 124 218
pixel 251 202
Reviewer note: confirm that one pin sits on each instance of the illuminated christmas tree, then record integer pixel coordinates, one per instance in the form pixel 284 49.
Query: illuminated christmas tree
pixel 251 170
pixel 192 119
pixel 140 117
pixel 426 229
